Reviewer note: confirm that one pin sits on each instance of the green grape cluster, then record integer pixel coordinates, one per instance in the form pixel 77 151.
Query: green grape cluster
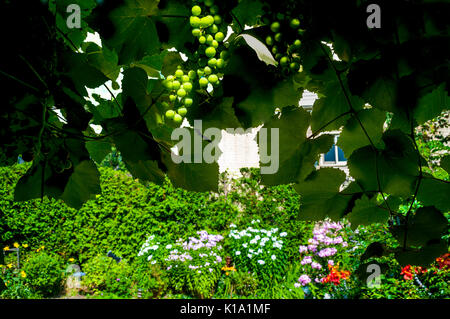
pixel 284 41
pixel 180 87
pixel 211 57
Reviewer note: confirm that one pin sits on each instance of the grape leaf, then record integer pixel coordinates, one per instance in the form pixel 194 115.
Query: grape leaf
pixel 286 138
pixel 426 225
pixel 353 136
pixel 432 104
pixel 366 211
pixel 320 197
pixel 84 182
pixel 135 35
pixel 260 48
pixel 431 192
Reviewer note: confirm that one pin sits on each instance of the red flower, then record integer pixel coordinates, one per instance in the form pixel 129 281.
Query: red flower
pixel 335 275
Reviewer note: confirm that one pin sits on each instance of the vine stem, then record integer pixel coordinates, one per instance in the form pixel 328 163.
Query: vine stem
pixel 419 181
pixel 19 80
pixel 355 115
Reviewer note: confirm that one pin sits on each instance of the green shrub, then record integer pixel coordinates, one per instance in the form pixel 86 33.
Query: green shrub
pixel 44 274
pixel 148 281
pixel 104 274
pixel 237 284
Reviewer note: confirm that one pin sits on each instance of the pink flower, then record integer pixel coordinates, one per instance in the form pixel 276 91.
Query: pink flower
pixel 303 249
pixel 304 280
pixel 315 265
pixel 306 260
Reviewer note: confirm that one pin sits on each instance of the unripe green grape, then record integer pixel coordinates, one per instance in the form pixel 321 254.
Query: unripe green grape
pixel 274 50
pixel 182 111
pixel 213 29
pixel 213 78
pixel 181 92
pixel 196 10
pixel 203 82
pixel 215 44
pixel 207 70
pixel 195 21
pixel 170 78
pixel 206 21
pixel 202 40
pixel 170 114
pixel 294 66
pixel 179 73
pixel 219 37
pixel 188 101
pixel 200 73
pixel 295 23
pixel 212 62
pixel 269 40
pixel 297 43
pixel 172 98
pixel 196 32
pixel 192 75
pixel 165 104
pixel 185 78
pixel 176 85
pixel 278 37
pixel 209 3
pixel 177 118
pixel 214 9
pixel 209 39
pixel 278 56
pixel 220 63
pixel 187 86
pixel 275 27
pixel 217 19
pixel 168 84
pixel 210 52
pixel 284 61
pixel 300 31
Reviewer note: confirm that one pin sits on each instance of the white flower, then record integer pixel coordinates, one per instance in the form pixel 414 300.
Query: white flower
pixel 283 234
pixel 273 257
pixel 232 226
pixel 245 245
pixel 149 258
pixel 169 246
pixel 238 253
pixel 249 256
pixel 261 262
pixel 153 262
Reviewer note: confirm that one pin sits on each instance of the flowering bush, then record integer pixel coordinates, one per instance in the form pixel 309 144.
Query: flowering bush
pixel 192 265
pixel 105 274
pixel 259 250
pixel 12 280
pixel 322 256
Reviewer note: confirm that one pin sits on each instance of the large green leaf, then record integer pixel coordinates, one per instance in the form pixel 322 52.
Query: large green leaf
pixel 426 225
pixel 83 183
pixel 98 150
pixel 320 197
pixel 421 257
pixel 366 212
pixel 198 177
pixel 395 168
pixel 296 154
pixel 431 192
pixel 256 91
pixel 134 85
pixel 432 104
pixel 354 136
pixel 135 35
pixel 331 111
pixel 247 13
pixel 103 60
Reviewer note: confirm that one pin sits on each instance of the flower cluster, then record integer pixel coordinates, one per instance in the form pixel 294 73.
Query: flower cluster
pixel 409 271
pixel 443 261
pixel 256 249
pixel 317 256
pixel 228 269
pixel 335 275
